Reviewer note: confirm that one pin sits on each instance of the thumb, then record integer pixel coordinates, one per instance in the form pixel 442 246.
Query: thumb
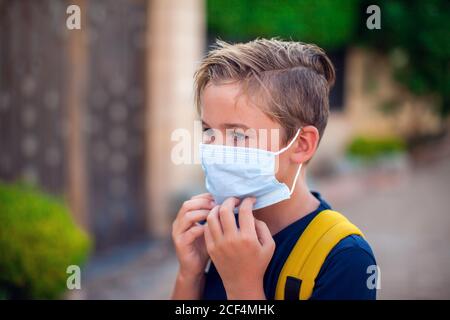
pixel 264 236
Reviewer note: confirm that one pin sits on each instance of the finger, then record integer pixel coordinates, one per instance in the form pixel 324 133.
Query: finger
pixel 214 224
pixel 246 218
pixel 190 218
pixel 209 242
pixel 193 233
pixel 264 235
pixel 195 204
pixel 206 195
pixel 226 216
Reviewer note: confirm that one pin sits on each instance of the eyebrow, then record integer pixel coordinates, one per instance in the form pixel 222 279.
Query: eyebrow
pixel 234 125
pixel 228 125
pixel 205 124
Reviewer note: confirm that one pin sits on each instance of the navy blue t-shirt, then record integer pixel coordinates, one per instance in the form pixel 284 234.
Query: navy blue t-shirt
pixel 343 275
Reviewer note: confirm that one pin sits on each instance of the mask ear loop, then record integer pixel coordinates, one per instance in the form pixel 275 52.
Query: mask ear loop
pixel 295 178
pixel 300 165
pixel 290 143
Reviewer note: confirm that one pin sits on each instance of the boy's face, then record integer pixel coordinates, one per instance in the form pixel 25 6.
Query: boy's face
pixel 230 118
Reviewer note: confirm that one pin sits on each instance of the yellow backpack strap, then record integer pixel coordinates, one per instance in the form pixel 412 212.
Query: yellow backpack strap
pixel 298 275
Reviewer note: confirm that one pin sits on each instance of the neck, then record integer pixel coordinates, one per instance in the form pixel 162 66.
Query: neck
pixel 280 215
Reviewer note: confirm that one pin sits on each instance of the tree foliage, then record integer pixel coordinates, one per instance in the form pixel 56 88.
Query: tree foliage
pixel 328 23
pixel 414 33
pixel 416 36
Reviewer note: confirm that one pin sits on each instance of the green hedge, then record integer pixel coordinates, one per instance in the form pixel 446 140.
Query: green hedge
pixel 370 148
pixel 38 241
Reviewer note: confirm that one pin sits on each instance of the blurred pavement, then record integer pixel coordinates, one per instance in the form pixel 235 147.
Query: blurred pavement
pixel 410 233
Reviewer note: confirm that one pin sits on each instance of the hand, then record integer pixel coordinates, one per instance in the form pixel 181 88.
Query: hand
pixel 240 255
pixel 187 235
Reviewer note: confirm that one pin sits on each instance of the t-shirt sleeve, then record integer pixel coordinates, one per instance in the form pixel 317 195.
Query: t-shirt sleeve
pixel 344 276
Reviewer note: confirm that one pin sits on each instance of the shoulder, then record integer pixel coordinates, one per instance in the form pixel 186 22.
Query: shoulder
pixel 346 270
pixel 352 243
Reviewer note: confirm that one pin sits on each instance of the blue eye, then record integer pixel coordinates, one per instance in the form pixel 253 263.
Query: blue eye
pixel 239 136
pixel 208 135
pixel 208 131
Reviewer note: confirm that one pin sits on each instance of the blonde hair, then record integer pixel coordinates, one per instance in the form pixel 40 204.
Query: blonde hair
pixel 293 79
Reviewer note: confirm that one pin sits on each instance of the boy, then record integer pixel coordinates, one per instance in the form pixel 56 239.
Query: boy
pixel 256 210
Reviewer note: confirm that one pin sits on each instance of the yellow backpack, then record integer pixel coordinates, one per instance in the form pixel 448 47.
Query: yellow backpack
pixel 298 275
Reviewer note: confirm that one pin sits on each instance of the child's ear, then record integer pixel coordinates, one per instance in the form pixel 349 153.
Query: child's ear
pixel 306 144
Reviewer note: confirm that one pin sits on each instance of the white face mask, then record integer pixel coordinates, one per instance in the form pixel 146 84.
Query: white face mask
pixel 244 172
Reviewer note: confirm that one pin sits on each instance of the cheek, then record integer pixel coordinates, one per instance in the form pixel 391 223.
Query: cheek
pixel 281 168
